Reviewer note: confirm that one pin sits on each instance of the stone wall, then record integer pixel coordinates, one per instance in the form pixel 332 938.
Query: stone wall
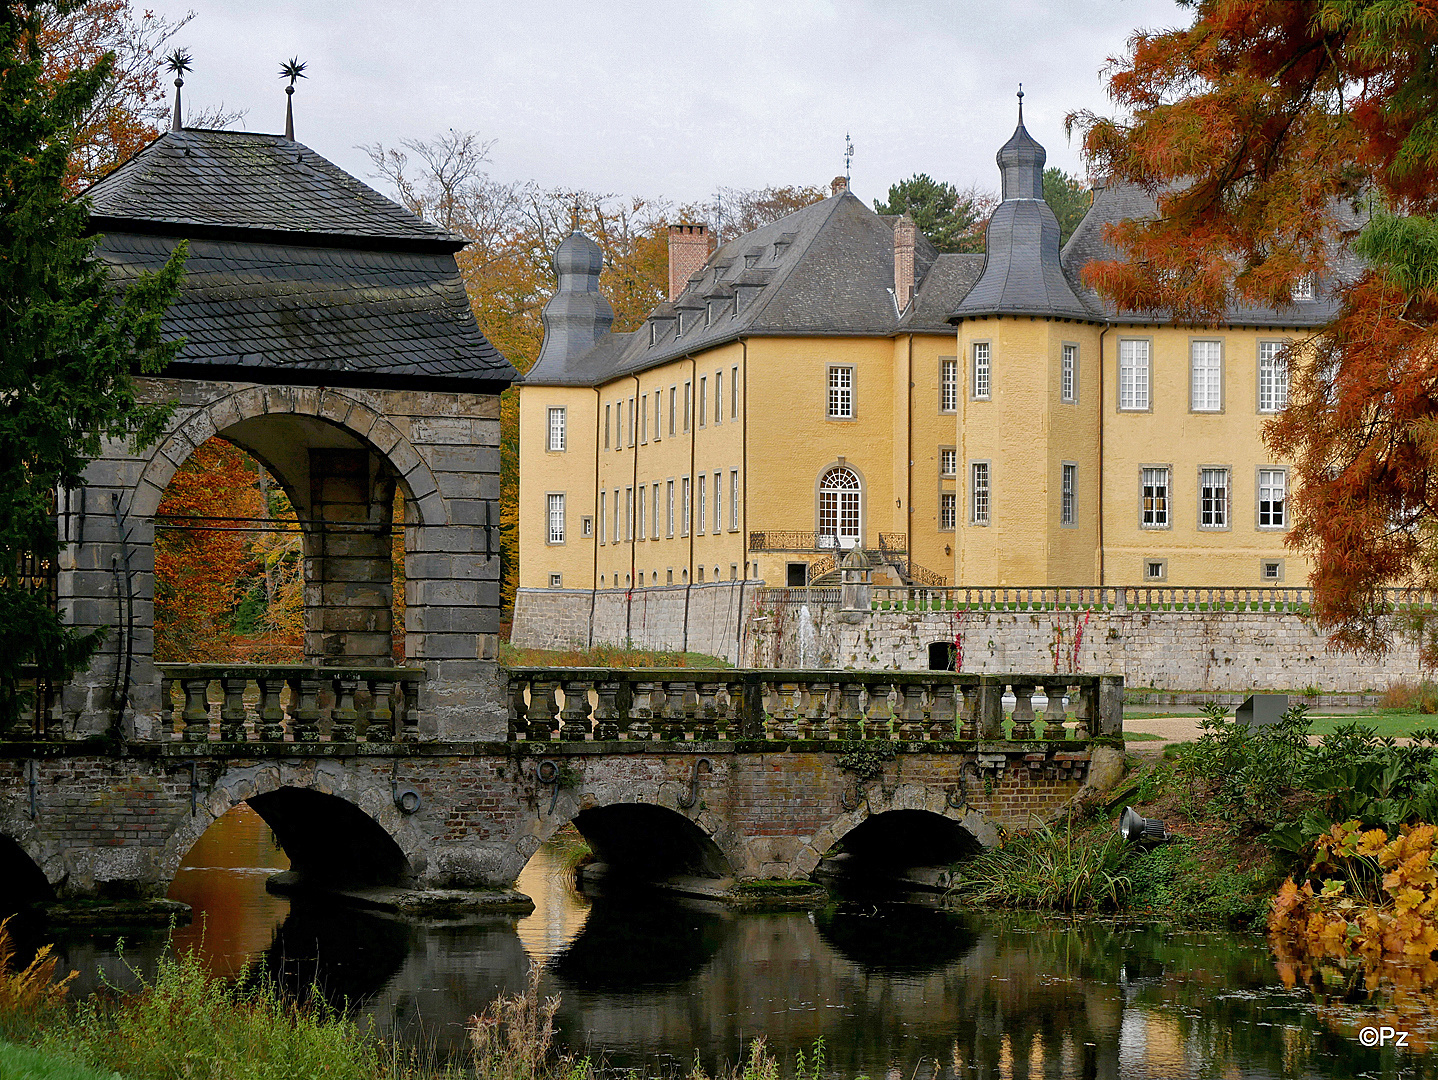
pixel 653 618
pixel 443 451
pixel 1167 650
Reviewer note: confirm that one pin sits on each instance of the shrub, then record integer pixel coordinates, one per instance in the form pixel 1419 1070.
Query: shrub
pixel 1240 774
pixel 1410 697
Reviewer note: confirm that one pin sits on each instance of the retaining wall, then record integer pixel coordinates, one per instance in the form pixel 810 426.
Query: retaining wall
pixel 1167 650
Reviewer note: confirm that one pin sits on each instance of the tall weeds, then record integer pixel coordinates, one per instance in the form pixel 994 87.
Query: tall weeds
pixel 30 997
pixel 1046 869
pixel 513 1038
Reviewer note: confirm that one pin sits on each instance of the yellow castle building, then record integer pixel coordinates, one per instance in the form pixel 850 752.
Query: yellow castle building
pixel 831 382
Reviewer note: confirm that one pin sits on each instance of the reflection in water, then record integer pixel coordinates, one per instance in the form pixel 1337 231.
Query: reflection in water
pixel 895 989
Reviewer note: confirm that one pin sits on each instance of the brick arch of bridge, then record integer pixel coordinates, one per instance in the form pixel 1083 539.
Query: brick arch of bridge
pixel 367 790
pixel 331 406
pixel 751 852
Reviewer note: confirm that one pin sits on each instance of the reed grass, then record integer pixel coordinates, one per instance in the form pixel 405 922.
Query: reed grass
pixel 1048 869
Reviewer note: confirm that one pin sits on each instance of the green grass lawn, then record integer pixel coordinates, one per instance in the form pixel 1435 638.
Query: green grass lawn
pixel 1396 724
pixel 27 1063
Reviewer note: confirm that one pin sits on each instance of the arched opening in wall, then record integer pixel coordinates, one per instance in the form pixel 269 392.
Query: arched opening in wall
pixel 943 656
pixel 639 842
pixel 914 846
pixel 840 510
pixel 330 842
pixel 24 882
pixel 281 540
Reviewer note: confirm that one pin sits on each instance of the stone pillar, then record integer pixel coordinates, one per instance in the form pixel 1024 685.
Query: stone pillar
pixel 349 586
pixel 856 591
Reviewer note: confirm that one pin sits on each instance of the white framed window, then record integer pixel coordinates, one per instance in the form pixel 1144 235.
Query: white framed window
pixel 948 384
pixel 1155 570
pixel 948 510
pixel 556 429
pixel 703 399
pixel 639 530
pixel 688 406
pixel 718 500
pixel 556 519
pixel 979 493
pixel 1154 495
pixel 669 507
pixel 606 426
pixel 841 393
pixel 840 507
pixel 1068 481
pixel 1068 374
pixel 1205 359
pixel 556 581
pixel 658 415
pixel 616 515
pixel 603 514
pixel 684 510
pixel 632 417
pixel 629 513
pixel 718 397
pixel 673 400
pixel 586 526
pixel 1272 498
pixel 983 382
pixel 655 512
pixel 1133 373
pixel 1271 571
pixel 619 425
pixel 1213 499
pixel 1272 376
pixel 644 419
pixel 948 461
pixel 700 505
pixel 733 500
pixel 734 393
pixel 1305 288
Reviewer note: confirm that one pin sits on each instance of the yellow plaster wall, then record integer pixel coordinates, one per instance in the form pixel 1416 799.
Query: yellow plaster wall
pixel 702 449
pixel 1171 434
pixel 932 429
pixel 1025 432
pixel 543 472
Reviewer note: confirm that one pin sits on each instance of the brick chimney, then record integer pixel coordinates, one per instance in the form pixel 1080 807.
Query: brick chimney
pixel 904 233
pixel 688 252
pixel 839 185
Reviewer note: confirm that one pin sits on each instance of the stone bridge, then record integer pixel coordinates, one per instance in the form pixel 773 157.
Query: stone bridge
pixel 712 774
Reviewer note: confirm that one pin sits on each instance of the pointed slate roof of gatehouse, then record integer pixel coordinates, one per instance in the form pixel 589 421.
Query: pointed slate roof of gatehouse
pixel 297 272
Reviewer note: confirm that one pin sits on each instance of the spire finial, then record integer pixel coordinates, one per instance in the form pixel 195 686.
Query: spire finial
pixel 178 62
pixel 574 216
pixel 848 157
pixel 1021 104
pixel 291 69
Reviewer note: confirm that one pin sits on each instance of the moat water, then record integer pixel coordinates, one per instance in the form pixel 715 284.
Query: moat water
pixel 896 989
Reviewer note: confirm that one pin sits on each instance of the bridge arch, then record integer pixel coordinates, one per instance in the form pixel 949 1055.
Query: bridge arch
pixel 337 824
pixel 25 878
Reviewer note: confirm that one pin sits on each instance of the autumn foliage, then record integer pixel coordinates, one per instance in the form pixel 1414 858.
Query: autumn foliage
pixel 1280 140
pixel 226 586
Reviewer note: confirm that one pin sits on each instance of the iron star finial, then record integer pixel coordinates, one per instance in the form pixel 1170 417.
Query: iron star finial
pixel 291 69
pixel 178 62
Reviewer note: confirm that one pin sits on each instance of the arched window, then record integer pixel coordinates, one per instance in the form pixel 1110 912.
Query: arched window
pixel 839 493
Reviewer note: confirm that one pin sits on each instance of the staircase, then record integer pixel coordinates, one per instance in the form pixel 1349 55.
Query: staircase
pixel 910 572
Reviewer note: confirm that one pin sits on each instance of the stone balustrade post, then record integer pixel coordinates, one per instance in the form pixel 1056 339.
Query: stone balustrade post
pixel 574 726
pixel 197 709
pixel 911 711
pixel 305 707
pixel 609 718
pixel 269 716
pixel 344 714
pixel 1110 705
pixel 1054 715
pixel 232 708
pixel 989 719
pixel 1023 729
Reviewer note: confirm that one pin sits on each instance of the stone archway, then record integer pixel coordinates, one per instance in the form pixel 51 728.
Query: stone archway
pixel 286 795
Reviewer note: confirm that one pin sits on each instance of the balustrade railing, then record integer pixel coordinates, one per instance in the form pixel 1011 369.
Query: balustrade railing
pixel 294 703
pixel 1119 598
pixel 799 540
pixel 702 705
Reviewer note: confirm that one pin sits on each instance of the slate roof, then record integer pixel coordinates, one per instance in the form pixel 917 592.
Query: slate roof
pixel 245 180
pixel 1121 201
pixel 295 267
pixel 828 269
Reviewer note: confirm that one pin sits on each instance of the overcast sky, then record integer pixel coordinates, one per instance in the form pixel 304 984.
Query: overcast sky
pixel 671 98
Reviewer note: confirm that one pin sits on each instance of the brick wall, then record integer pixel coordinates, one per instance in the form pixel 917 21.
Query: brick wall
pixel 1168 650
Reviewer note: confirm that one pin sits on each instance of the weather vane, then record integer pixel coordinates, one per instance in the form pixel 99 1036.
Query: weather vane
pixel 178 62
pixel 848 157
pixel 1021 103
pixel 291 69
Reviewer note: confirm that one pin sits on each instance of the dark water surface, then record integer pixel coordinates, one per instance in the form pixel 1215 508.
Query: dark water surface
pixel 896 990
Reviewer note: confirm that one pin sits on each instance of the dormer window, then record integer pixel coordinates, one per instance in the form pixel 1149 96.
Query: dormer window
pixel 750 260
pixel 653 334
pixel 679 325
pixel 708 312
pixel 1305 288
